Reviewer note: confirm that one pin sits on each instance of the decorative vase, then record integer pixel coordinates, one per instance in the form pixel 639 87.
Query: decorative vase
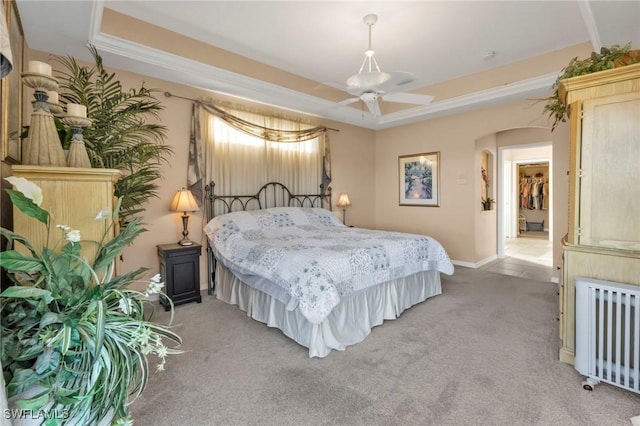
pixel 78 156
pixel 42 147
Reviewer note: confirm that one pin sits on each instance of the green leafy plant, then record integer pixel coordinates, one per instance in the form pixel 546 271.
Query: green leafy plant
pixel 607 58
pixel 487 202
pixel 121 135
pixel 73 333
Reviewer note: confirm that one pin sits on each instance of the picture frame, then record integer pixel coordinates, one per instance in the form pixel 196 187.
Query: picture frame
pixel 11 88
pixel 419 179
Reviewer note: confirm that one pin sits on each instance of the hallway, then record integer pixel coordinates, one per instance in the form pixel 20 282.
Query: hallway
pixel 530 255
pixel 523 167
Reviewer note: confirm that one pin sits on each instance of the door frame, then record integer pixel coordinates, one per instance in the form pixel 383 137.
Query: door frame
pixel 508 200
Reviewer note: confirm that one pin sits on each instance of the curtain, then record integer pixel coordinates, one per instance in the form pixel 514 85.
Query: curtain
pixel 241 151
pixel 6 58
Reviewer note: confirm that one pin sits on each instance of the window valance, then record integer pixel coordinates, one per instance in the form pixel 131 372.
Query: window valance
pixel 253 129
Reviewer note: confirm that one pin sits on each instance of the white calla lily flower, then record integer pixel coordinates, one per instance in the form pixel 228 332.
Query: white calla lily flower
pixel 104 214
pixel 27 188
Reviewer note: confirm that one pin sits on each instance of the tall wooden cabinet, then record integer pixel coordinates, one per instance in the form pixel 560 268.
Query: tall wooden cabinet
pixel 73 197
pixel 603 239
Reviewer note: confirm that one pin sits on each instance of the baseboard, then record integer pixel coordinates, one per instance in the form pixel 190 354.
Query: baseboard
pixel 567 356
pixel 475 265
pixel 487 260
pixel 462 263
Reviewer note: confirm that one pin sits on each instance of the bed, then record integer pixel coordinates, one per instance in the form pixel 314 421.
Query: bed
pixel 287 261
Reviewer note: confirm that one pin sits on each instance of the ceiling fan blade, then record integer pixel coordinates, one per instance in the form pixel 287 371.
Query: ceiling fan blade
pixel 373 106
pixel 348 101
pixel 333 85
pixel 408 98
pixel 398 79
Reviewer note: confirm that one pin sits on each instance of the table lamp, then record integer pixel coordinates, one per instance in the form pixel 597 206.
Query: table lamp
pixel 184 202
pixel 343 201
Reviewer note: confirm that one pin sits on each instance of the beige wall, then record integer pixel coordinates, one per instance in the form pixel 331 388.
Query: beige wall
pixel 365 165
pixel 352 169
pixel 467 233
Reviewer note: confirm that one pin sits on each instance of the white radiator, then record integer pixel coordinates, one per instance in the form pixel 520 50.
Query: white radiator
pixel 608 333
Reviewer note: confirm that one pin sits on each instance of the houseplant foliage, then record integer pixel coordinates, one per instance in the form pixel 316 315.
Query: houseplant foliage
pixel 607 58
pixel 487 203
pixel 121 135
pixel 71 330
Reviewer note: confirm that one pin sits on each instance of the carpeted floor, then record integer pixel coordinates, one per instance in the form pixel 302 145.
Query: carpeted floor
pixel 484 352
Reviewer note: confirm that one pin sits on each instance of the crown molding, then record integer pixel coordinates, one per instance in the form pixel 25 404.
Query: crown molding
pixel 142 59
pixel 536 86
pixel 590 24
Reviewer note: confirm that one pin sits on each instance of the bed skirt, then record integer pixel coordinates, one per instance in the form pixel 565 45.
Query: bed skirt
pixel 349 323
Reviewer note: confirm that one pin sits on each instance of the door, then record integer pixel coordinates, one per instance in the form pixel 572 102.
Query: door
pixel 609 163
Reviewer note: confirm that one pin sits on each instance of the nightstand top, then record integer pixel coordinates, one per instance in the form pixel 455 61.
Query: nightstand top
pixel 178 247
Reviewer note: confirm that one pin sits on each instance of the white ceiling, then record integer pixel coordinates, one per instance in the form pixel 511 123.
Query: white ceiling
pixel 324 41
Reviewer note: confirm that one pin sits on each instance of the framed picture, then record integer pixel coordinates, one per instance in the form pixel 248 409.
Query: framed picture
pixel 420 179
pixel 11 88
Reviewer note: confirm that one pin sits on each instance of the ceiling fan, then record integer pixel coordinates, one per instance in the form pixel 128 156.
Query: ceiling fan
pixel 370 83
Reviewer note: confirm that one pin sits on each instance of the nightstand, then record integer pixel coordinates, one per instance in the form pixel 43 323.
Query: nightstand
pixel 180 269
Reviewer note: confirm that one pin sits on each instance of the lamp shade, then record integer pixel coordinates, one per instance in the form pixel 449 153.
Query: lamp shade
pixel 343 200
pixel 184 202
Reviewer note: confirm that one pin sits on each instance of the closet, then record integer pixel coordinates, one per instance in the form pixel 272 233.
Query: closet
pixel 603 239
pixel 533 197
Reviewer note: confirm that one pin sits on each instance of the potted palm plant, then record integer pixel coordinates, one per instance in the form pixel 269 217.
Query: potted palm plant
pixel 125 133
pixel 76 341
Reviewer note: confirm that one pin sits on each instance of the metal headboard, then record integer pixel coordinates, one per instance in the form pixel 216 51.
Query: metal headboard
pixel 272 194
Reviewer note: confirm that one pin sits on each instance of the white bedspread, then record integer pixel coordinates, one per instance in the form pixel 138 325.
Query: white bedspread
pixel 315 259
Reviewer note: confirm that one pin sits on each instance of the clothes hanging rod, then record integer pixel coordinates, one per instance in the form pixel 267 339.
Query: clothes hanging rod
pixel 545 164
pixel 171 95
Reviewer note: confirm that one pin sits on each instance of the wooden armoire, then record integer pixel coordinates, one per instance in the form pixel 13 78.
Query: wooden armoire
pixel 603 239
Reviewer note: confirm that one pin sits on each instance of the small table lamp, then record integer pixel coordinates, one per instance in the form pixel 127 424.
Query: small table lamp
pixel 184 202
pixel 343 201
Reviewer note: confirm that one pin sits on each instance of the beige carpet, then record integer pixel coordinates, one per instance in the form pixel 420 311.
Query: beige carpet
pixel 484 353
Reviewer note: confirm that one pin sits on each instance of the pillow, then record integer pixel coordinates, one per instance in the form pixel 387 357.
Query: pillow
pixel 276 217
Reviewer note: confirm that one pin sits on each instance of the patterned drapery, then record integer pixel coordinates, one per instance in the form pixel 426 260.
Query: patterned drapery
pixel 202 155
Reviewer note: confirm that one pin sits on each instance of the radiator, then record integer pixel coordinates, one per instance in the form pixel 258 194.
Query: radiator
pixel 608 333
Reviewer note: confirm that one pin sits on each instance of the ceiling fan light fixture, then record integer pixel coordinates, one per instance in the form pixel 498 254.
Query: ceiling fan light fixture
pixel 371 84
pixel 367 80
pixel 369 76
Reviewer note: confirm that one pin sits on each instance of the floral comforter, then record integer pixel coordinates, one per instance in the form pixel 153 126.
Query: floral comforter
pixel 314 258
